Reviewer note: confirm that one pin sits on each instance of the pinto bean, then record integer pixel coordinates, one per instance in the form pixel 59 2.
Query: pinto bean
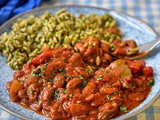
pixel 22 94
pixel 78 109
pixel 46 95
pixel 74 83
pixel 59 81
pixel 106 90
pixel 36 106
pixel 80 48
pixel 90 88
pixel 108 57
pixel 82 72
pixel 97 102
pixel 107 110
pixel 31 80
pixel 32 92
pixel 105 47
pixel 89 98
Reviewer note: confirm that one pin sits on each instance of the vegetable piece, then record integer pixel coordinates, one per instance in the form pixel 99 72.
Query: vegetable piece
pixel 16 86
pixel 100 77
pixel 80 76
pixel 136 65
pixel 124 109
pixel 56 94
pixel 148 71
pixel 70 95
pixel 150 83
pixel 84 83
pixel 48 79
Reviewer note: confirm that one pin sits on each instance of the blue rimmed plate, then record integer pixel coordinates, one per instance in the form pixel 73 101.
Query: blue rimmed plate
pixel 131 28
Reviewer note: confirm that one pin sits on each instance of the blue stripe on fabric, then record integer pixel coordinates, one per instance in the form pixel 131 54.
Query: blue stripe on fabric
pixel 149 12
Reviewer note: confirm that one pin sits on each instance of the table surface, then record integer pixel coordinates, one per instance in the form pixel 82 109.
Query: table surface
pixel 146 10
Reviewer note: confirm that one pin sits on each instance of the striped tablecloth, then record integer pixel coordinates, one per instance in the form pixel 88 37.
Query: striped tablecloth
pixel 147 10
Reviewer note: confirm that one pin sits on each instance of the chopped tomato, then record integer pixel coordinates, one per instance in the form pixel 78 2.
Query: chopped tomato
pixel 136 65
pixel 148 71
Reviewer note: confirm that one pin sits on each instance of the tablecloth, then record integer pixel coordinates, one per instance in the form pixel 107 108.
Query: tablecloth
pixel 147 10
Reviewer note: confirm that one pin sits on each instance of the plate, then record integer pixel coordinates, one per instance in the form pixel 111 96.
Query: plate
pixel 131 28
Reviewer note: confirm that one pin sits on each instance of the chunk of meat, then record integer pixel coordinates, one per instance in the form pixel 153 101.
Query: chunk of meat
pixel 107 110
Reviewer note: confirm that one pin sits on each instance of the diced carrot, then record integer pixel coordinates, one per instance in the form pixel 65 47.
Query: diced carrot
pixel 16 86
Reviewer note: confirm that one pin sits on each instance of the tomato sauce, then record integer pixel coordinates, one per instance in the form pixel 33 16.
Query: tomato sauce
pixel 81 83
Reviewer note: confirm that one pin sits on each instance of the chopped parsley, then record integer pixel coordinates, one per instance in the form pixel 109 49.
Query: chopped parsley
pixel 109 86
pixel 108 97
pixel 124 109
pixel 39 72
pixel 100 77
pixel 45 64
pixel 89 70
pixel 64 91
pixel 114 93
pixel 48 79
pixel 150 83
pixel 52 73
pixel 80 76
pixel 56 94
pixel 22 83
pixel 60 70
pixel 70 95
pixel 84 83
pixel 31 91
pixel 107 70
pixel 66 77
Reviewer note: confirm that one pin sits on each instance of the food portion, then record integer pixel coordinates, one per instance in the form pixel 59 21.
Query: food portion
pixel 82 82
pixel 74 67
pixel 29 35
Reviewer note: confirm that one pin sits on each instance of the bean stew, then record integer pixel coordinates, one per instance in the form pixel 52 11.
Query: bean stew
pixel 82 83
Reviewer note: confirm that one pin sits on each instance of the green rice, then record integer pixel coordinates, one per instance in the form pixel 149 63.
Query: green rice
pixel 28 36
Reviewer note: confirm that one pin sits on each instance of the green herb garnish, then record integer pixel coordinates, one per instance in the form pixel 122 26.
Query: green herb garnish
pixel 89 70
pixel 84 83
pixel 48 79
pixel 109 86
pixel 31 91
pixel 22 83
pixel 114 93
pixel 56 94
pixel 124 109
pixel 70 95
pixel 100 77
pixel 80 76
pixel 108 97
pixel 150 83
pixel 45 64
pixel 64 91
